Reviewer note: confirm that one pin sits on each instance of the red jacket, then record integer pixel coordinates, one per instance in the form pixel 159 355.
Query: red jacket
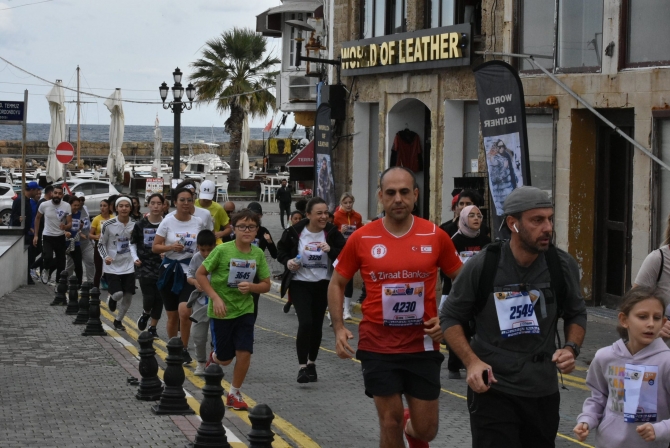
pixel 346 223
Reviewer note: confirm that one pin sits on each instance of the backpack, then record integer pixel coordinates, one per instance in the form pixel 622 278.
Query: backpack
pixel 660 271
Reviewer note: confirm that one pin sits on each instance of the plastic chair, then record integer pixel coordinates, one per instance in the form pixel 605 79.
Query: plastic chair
pixel 264 191
pixel 222 193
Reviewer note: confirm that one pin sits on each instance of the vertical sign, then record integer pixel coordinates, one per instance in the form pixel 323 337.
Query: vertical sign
pixel 502 114
pixel 323 168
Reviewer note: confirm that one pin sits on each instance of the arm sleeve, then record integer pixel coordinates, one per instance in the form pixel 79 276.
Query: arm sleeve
pixel 212 262
pixel 162 229
pixel 662 428
pixel 574 307
pixel 459 307
pixel 594 406
pixel 102 244
pixel 133 251
pixel 193 266
pixel 648 272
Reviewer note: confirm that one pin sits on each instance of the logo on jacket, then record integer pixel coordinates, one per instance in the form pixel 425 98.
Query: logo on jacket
pixel 378 250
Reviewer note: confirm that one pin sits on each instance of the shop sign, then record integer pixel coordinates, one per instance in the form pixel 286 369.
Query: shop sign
pixel 432 48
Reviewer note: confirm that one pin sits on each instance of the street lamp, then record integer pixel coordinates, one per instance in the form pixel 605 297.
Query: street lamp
pixel 177 108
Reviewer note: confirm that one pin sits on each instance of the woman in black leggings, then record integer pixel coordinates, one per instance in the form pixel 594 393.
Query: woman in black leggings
pixel 318 243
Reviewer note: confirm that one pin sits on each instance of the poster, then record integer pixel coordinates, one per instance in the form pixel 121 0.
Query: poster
pixel 503 158
pixel 323 167
pixel 154 185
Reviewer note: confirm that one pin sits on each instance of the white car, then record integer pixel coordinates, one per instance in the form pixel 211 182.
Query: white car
pixel 94 191
pixel 7 196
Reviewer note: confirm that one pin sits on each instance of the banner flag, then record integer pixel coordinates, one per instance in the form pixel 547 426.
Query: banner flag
pixel 502 115
pixel 268 126
pixel 323 167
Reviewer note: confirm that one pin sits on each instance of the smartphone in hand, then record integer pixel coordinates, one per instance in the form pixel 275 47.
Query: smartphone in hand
pixel 485 377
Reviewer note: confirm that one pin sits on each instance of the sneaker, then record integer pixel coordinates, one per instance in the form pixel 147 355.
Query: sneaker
pixel 187 357
pixel 236 402
pixel 303 377
pixel 311 372
pixel 328 316
pixel 44 276
pixel 200 369
pixel 118 325
pixel 34 275
pixel 411 441
pixel 152 331
pixel 347 314
pixel 111 303
pixel 287 307
pixel 210 359
pixel 143 321
pixel 454 375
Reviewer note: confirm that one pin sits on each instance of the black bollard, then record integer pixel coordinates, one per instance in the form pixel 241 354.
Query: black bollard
pixel 82 314
pixel 150 387
pixel 94 325
pixel 261 435
pixel 211 433
pixel 173 398
pixel 59 297
pixel 73 296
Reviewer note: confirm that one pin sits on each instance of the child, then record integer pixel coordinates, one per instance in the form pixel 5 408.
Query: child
pixel 640 354
pixel 296 216
pixel 205 243
pixel 233 266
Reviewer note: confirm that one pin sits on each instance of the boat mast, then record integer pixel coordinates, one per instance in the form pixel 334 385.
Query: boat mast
pixel 78 123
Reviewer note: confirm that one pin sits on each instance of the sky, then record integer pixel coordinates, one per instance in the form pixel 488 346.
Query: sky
pixel 131 44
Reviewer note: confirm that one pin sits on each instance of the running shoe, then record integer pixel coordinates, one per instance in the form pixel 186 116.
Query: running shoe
pixel 111 303
pixel 287 307
pixel 44 276
pixel 187 357
pixel 153 332
pixel 236 402
pixel 34 275
pixel 200 369
pixel 411 441
pixel 346 315
pixel 118 325
pixel 303 376
pixel 311 373
pixel 143 321
pixel 210 359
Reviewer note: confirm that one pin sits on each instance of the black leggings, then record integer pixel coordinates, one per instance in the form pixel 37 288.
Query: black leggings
pixel 54 254
pixel 152 300
pixel 310 300
pixel 76 259
pixel 284 208
pixel 97 260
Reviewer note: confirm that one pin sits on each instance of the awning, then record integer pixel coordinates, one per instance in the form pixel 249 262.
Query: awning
pixel 268 26
pixel 304 158
pixel 295 6
pixel 269 23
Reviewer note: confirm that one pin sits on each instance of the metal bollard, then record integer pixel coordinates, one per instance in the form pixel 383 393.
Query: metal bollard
pixel 73 296
pixel 61 289
pixel 211 433
pixel 94 325
pixel 173 398
pixel 261 435
pixel 82 314
pixel 150 387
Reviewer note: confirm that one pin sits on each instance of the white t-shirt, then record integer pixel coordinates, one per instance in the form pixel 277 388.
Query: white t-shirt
pixel 204 216
pixel 54 215
pixel 315 262
pixel 186 232
pixel 648 273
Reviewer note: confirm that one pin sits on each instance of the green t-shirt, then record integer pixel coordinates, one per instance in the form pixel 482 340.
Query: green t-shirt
pixel 219 216
pixel 228 266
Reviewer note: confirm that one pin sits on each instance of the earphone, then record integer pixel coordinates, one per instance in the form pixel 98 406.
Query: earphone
pixel 514 225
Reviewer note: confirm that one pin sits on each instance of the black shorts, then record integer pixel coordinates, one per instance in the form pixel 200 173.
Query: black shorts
pixel 231 335
pixel 171 300
pixel 120 283
pixel 413 374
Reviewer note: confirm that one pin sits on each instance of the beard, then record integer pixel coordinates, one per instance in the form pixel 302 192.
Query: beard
pixel 56 200
pixel 532 246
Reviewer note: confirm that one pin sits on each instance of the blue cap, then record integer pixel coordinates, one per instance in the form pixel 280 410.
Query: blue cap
pixel 33 186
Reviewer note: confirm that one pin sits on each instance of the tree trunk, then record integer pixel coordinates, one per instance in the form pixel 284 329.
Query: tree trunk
pixel 235 130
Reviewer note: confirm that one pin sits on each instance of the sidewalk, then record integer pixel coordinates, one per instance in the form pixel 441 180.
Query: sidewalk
pixel 61 389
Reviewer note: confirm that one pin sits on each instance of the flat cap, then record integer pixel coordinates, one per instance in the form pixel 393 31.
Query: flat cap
pixel 526 198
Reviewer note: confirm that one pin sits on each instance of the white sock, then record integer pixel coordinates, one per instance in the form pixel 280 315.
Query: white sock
pixel 303 365
pixel 347 304
pixel 234 390
pixel 310 362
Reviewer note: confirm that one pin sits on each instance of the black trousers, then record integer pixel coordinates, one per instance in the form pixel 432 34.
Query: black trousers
pixel 498 419
pixel 310 300
pixel 32 255
pixel 284 207
pixel 152 300
pixel 76 259
pixel 97 261
pixel 53 253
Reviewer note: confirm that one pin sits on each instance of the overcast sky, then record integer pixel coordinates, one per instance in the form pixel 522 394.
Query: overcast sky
pixel 131 44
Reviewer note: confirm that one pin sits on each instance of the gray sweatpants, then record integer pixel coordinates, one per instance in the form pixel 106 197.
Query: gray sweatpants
pixel 199 330
pixel 86 260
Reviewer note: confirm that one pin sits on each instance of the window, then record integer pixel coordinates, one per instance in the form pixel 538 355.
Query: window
pixel 567 33
pixel 86 188
pixel 451 12
pixel 100 188
pixel 291 34
pixel 540 130
pixel 646 32
pixel 382 17
pixel 471 137
pixel 3 190
pixel 661 181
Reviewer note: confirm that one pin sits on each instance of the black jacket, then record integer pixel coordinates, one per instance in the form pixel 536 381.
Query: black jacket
pixel 151 262
pixel 284 194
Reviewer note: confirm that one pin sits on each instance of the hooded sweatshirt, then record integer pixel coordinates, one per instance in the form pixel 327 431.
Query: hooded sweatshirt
pixel 603 410
pixel 347 222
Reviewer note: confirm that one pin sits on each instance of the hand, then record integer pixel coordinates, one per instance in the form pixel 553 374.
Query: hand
pixel 268 238
pixel 108 261
pixel 342 346
pixel 665 331
pixel 244 287
pixel 219 307
pixel 35 241
pixel 176 247
pixel 197 286
pixel 32 231
pixel 647 432
pixel 325 247
pixel 432 328
pixel 62 226
pixel 68 234
pixel 138 262
pixel 292 266
pixel 474 376
pixel 564 359
pixel 582 431
pixel 82 236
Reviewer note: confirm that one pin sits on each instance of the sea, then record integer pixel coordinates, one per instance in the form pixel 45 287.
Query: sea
pixel 100 133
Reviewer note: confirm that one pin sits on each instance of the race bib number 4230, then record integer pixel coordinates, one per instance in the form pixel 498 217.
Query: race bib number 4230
pixel 403 304
pixel 516 313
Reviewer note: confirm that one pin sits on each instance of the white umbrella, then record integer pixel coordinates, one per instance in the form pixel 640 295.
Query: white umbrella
pixel 56 99
pixel 244 146
pixel 115 161
pixel 158 140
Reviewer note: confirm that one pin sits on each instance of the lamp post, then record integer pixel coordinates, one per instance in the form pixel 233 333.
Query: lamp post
pixel 177 108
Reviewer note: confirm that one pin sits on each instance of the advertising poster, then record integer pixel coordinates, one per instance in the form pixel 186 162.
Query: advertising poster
pixel 154 185
pixel 323 169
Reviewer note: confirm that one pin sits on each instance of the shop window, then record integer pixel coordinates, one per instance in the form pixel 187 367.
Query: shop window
pixel 645 27
pixel 471 137
pixel 661 181
pixel 566 34
pixel 382 17
pixel 452 12
pixel 540 130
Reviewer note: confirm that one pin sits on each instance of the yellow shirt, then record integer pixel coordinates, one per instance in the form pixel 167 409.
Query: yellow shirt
pixel 219 216
pixel 96 224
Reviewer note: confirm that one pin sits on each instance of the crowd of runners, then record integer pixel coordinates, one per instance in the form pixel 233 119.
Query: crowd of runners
pixel 205 265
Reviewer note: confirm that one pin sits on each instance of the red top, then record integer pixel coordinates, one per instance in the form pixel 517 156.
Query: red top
pixel 407 152
pixel 346 223
pixel 400 274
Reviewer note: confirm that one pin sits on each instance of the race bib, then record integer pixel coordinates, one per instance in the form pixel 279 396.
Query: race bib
pixel 187 240
pixel 241 271
pixel 122 245
pixel 149 236
pixel 402 304
pixel 516 313
pixel 467 254
pixel 75 225
pixel 640 394
pixel 347 230
pixel 313 257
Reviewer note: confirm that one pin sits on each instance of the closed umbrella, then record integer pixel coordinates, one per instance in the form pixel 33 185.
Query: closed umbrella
pixel 115 161
pixel 158 141
pixel 244 156
pixel 56 99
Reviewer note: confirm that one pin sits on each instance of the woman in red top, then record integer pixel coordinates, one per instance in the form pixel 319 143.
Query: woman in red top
pixel 347 220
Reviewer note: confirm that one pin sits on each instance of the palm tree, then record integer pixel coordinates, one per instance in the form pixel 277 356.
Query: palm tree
pixel 235 72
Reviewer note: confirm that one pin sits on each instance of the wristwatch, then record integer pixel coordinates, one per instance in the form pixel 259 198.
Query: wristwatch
pixel 573 346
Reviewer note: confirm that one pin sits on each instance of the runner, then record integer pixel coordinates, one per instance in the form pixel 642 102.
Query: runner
pixel 318 243
pixel 220 218
pixel 73 248
pixel 120 257
pixel 398 256
pixel 347 220
pixel 57 220
pixel 96 228
pixel 86 245
pixel 143 236
pixel 231 308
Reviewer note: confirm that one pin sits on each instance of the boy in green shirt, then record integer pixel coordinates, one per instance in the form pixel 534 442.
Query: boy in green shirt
pixel 232 267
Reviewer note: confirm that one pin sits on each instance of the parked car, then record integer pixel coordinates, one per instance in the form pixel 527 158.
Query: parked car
pixel 7 196
pixel 94 191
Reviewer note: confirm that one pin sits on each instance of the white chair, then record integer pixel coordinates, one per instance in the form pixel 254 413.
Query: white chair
pixel 222 193
pixel 264 191
pixel 271 194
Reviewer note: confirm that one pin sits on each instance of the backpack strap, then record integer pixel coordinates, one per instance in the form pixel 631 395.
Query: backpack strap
pixel 660 271
pixel 488 275
pixel 558 284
